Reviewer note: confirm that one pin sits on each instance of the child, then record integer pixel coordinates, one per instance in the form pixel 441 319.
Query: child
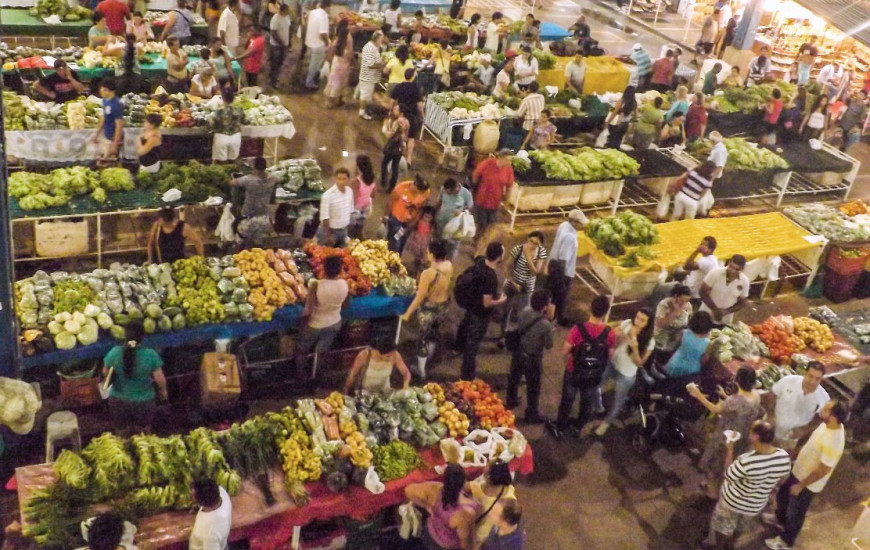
pixel 417 245
pixel 543 134
pixel 417 27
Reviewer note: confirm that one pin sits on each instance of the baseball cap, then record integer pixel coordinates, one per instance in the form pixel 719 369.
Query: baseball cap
pixel 510 54
pixel 637 47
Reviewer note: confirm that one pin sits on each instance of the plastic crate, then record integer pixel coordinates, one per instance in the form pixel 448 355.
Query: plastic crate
pixel 635 286
pixel 63 238
pixel 566 195
pixel 598 192
pixel 533 198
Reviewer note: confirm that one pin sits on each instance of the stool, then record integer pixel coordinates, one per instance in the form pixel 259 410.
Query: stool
pixel 59 426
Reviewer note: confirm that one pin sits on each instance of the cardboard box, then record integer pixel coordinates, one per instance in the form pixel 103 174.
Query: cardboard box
pixel 219 381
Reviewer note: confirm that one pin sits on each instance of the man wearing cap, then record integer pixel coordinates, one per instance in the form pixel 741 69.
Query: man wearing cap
pixel 644 66
pixel 562 263
pixel 62 85
pixel 503 78
pixel 725 290
pixel 718 156
pixel 484 76
pixel 491 179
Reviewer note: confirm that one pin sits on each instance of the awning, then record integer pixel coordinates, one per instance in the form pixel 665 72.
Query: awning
pixel 850 16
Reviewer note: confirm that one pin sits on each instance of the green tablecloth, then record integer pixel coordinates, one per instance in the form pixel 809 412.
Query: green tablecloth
pixel 155 69
pixel 19 22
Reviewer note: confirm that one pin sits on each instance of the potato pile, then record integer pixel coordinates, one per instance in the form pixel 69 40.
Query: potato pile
pixel 816 335
pixel 267 291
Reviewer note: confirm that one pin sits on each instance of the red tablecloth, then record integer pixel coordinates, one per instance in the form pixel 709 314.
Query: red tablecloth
pixel 268 528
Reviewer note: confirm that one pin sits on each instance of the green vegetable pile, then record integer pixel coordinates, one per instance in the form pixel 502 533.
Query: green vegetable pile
pixel 71 296
pixel 46 8
pixel 36 191
pixel 520 165
pixel 546 60
pixel 586 164
pixel 612 235
pixel 116 179
pixel 742 155
pixel 460 100
pixel 395 460
pixel 751 100
pixel 196 181
pixel 197 292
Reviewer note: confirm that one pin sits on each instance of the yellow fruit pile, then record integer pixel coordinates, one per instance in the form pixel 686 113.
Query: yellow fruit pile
pixel 854 208
pixel 814 334
pixel 376 261
pixel 457 423
pixel 267 292
pixel 298 460
pixel 360 454
pixel 436 391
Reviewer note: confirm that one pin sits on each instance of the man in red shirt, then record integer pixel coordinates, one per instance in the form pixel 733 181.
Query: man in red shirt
pixel 115 13
pixel 588 392
pixel 491 178
pixel 663 73
pixel 252 59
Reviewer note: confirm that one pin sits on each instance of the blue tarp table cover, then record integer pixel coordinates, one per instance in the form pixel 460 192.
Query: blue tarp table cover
pixel 375 305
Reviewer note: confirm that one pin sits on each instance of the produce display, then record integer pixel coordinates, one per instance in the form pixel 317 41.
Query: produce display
pixel 742 155
pixel 359 284
pixel 294 174
pixel 488 407
pixel 340 439
pixel 46 8
pixel 749 100
pixel 376 261
pixel 627 229
pixel 24 113
pixel 36 191
pixel 736 341
pixel 817 336
pixel 586 164
pixel 196 181
pixel 462 105
pixel 830 222
pixel 854 208
pixel 777 334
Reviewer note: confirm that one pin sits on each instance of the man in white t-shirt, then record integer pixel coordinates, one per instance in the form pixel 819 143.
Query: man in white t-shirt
pixel 336 206
pixel 725 290
pixel 228 27
pixel 503 77
pixel 279 42
pixel 798 400
pixel 316 40
pixel 699 263
pixel 811 472
pixel 211 528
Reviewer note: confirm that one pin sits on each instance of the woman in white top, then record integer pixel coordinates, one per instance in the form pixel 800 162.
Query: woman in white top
pixel 494 33
pixel 816 121
pixel 393 16
pixel 204 84
pixel 373 367
pixel 525 68
pixel 473 32
pixel 634 345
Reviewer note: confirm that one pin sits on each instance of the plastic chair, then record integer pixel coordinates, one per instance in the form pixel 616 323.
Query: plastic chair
pixel 61 425
pixel 251 92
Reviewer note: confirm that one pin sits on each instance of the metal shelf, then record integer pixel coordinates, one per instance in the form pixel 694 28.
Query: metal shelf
pixel 801 185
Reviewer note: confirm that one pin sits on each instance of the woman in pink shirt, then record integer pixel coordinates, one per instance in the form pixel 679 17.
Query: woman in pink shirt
pixel 363 186
pixel 252 59
pixel 772 110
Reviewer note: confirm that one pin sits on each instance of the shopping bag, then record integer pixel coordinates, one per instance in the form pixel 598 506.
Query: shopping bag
pixel 469 228
pixel 479 441
pixel 324 70
pixel 601 140
pixel 453 228
pixel 224 229
pixel 411 521
pixel 373 482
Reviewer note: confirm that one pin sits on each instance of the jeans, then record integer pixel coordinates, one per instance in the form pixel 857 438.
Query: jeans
pixel 394 226
pixel 278 54
pixel 390 162
pixel 531 366
pixel 617 133
pixel 337 237
pixel 569 394
pixel 852 137
pixel 318 340
pixel 470 335
pixel 515 305
pixel 791 510
pixel 484 217
pixel 622 385
pixel 315 62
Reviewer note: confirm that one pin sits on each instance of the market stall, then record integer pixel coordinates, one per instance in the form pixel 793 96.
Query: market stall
pixel 152 67
pixel 19 22
pixel 777 249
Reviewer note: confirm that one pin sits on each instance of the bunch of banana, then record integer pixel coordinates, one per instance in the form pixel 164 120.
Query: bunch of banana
pixel 72 470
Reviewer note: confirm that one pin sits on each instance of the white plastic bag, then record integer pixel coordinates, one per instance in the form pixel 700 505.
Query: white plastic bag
pixel 469 458
pixel 411 521
pixel 452 450
pixel 516 441
pixel 469 228
pixel 324 70
pixel 224 229
pixel 480 441
pixel 453 228
pixel 373 482
pixel 601 140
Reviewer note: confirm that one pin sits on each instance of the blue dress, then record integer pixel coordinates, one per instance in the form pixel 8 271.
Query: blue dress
pixel 686 361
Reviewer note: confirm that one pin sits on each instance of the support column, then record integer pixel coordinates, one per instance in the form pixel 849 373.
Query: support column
pixel 744 37
pixel 9 357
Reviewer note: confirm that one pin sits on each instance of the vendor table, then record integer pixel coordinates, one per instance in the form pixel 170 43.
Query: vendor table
pixel 155 68
pixel 75 145
pixel 19 22
pixel 776 248
pixel 536 195
pixel 268 528
pixel 438 122
pixel 551 32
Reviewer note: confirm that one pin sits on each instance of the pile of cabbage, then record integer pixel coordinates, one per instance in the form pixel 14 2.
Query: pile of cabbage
pixel 410 414
pixel 829 222
pixel 294 174
pixel 736 341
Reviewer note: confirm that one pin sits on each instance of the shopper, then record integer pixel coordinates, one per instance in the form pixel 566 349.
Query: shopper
pixel 491 178
pixel 419 234
pixel 316 41
pixel 268 11
pixel 812 469
pixel 507 532
pixel 226 123
pixel 116 13
pixel 851 122
pixel 373 367
pixel 405 207
pixel 805 61
pixel 221 59
pixel 393 17
pixel 416 27
pixel 622 113
pixel 110 130
pixel 649 122
pixel 134 370
pixel 634 345
pixel 228 26
pixel 477 292
pixel 530 107
pixel 211 528
pixel 252 58
pixel 363 186
pixel 472 41
pixel 454 200
pixel 396 67
pixel 696 119
pixel 733 80
pixel 255 224
pixel 430 302
pixel 747 485
pixel 526 261
pixel 503 77
pixel 759 68
pixel 407 95
pixel 644 66
pixel 680 105
pixel 701 261
pixel 279 41
pixel 532 337
pixel 727 36
pixel 709 31
pixel 525 69
pixel 61 86
pixel 138 27
pixel 396 128
pixel 483 79
pixel 177 75
pixel 543 134
pixel 829 78
pixel 178 24
pixel 336 207
pixel 369 73
pixel 672 317
pixel 719 156
pixel 169 236
pixel 107 531
pixel 440 59
pixel 495 487
pixel 562 263
pixel 736 413
pixel 692 353
pixel 592 343
pixel 322 313
pixel 662 73
pixel 575 73
pixel 725 290
pixel 698 184
pixel 340 57
pixel 817 119
pixel 451 515
pixel 98 34
pixel 711 79
pixel 204 84
pixel 770 122
pixel 673 131
pixel 496 32
pixel 798 399
pixel 149 143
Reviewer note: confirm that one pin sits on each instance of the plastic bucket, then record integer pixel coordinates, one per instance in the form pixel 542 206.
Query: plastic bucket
pixel 486 137
pixel 846 265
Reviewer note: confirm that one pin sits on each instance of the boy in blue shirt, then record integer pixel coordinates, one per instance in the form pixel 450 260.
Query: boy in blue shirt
pixel 110 131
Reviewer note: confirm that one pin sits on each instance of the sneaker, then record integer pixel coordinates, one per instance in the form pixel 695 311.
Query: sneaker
pixel 602 429
pixel 769 518
pixel 554 430
pixel 776 543
pixel 365 116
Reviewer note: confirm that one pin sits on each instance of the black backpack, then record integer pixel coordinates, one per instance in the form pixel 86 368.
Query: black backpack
pixel 590 359
pixel 465 290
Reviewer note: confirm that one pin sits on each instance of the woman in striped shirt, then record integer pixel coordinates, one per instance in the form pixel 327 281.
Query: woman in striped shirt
pixel 528 260
pixel 698 183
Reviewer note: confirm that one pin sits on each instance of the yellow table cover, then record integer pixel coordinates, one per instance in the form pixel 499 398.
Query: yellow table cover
pixel 605 74
pixel 755 236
